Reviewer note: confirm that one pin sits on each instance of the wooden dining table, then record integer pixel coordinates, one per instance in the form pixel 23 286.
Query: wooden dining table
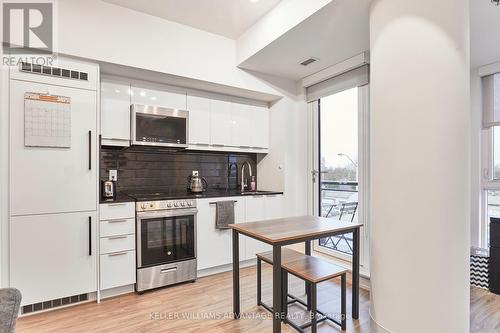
pixel 286 231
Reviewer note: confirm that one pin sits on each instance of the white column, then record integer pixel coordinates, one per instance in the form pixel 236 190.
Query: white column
pixel 420 166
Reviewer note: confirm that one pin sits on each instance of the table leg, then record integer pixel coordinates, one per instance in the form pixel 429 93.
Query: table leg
pixel 355 274
pixel 236 275
pixel 277 309
pixel 306 284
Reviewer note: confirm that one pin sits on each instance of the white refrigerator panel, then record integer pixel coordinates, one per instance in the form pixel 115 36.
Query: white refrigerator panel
pixel 52 256
pixel 54 180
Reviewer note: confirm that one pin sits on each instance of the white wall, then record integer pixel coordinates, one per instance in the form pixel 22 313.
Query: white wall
pixel 101 31
pixel 475 157
pixel 4 134
pixel 420 173
pixel 285 167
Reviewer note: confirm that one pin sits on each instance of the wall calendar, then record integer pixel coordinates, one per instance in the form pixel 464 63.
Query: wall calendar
pixel 47 120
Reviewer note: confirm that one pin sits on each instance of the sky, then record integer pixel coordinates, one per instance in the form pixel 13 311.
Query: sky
pixel 339 127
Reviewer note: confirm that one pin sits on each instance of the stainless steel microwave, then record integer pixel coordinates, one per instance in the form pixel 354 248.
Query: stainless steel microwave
pixel 157 126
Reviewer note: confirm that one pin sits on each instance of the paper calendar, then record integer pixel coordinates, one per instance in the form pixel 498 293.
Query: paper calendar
pixel 47 120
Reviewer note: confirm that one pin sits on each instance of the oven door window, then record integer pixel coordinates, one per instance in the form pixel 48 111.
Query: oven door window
pixel 160 129
pixel 167 239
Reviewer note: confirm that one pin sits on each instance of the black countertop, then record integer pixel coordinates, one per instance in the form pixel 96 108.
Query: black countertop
pixel 152 195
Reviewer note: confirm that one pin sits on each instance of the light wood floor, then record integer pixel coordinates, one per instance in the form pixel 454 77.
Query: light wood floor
pixel 208 296
pixel 156 311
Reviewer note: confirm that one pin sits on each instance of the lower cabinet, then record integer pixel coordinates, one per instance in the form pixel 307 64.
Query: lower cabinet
pixel 53 256
pixel 117 245
pixel 265 207
pixel 117 269
pixel 214 246
pixel 255 211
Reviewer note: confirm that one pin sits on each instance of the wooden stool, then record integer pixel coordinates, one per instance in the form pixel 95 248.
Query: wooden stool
pixel 313 270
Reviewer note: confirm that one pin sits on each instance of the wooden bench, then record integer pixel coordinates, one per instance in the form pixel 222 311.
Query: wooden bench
pixel 313 270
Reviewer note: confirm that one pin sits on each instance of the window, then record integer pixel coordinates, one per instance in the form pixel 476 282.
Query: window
pixel 496 153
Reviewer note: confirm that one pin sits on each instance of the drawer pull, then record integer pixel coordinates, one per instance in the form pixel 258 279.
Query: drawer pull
pixel 117 237
pixel 213 203
pixel 117 221
pixel 117 254
pixel 168 270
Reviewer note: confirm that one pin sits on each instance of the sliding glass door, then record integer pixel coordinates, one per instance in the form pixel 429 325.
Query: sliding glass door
pixel 340 165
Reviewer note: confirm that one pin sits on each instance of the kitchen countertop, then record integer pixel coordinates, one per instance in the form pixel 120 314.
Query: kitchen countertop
pixel 120 197
pixel 152 195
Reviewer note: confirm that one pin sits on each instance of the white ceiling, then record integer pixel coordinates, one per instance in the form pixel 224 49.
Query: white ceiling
pixel 485 33
pixel 229 18
pixel 337 32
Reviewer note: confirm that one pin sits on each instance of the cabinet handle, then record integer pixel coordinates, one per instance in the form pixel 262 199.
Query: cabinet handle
pixel 117 254
pixel 218 145
pixel 245 147
pixel 90 235
pixel 90 150
pixel 117 221
pixel 116 237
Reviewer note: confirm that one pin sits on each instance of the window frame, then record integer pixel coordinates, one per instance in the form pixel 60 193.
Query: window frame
pixel 488 183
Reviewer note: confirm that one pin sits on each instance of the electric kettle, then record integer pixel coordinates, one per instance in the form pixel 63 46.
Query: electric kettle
pixel 196 184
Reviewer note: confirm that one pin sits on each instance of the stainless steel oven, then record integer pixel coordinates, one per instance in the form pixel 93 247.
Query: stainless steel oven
pixel 166 243
pixel 157 126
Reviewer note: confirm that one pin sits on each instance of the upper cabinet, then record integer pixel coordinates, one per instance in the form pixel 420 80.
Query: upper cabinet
pixel 214 125
pixel 115 113
pixel 260 127
pixel 161 98
pixel 199 120
pixel 241 125
pixel 227 126
pixel 220 123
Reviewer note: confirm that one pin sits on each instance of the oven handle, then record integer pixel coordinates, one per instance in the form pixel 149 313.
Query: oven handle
pixel 167 213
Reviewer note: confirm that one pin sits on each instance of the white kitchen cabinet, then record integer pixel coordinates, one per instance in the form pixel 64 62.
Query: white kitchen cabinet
pixel 52 256
pixel 48 179
pixel 255 210
pixel 117 210
pixel 214 247
pixel 274 206
pixel 220 123
pixel 260 127
pixel 117 269
pixel 241 125
pixel 115 113
pixel 161 98
pixel 117 245
pixel 199 120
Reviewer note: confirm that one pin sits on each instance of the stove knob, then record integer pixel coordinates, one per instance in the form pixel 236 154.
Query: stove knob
pixel 190 203
pixel 176 204
pixel 169 204
pixel 144 205
pixel 152 205
pixel 183 203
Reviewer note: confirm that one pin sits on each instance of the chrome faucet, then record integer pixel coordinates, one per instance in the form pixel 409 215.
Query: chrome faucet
pixel 243 183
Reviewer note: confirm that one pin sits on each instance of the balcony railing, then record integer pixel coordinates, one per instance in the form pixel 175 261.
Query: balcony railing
pixel 339 201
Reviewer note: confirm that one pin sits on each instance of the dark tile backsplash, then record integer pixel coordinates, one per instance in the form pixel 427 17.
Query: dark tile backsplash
pixel 143 168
